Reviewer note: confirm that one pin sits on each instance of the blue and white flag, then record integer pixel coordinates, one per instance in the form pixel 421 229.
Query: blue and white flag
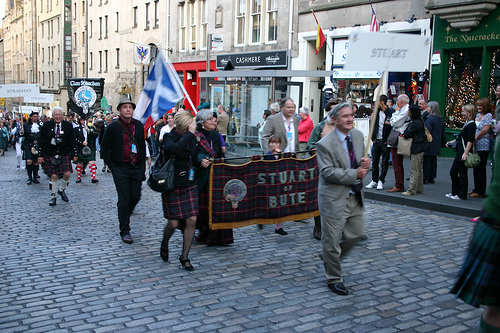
pixel 160 93
pixel 142 54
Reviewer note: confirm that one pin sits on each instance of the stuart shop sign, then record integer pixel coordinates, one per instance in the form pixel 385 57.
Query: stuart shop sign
pixel 254 59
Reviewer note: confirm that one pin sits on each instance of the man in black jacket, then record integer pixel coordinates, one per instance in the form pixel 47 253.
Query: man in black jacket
pixel 56 149
pixel 379 138
pixel 30 132
pixel 123 149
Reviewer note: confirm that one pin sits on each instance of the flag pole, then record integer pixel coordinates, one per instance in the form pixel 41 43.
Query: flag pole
pixel 169 63
pixel 374 114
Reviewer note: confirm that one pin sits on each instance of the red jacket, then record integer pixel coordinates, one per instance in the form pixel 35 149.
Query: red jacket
pixel 305 129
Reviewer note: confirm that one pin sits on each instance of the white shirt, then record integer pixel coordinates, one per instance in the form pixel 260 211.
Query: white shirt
pixel 290 134
pixel 164 130
pixel 381 121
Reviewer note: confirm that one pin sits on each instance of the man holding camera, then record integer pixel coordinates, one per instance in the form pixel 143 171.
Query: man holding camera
pixel 56 149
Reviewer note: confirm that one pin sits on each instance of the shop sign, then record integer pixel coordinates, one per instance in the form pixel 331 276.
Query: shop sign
pixel 217 43
pixel 341 74
pixel 19 90
pixel 370 51
pixel 41 98
pixel 254 59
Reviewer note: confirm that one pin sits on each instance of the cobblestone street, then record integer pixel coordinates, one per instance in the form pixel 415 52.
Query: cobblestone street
pixel 65 269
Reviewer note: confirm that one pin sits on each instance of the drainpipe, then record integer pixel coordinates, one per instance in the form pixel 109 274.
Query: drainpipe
pixel 290 26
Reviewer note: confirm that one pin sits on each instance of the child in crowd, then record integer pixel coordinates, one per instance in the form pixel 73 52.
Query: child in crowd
pixel 274 145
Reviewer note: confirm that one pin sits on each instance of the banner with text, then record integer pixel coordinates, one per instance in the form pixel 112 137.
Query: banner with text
pixel 262 192
pixel 85 95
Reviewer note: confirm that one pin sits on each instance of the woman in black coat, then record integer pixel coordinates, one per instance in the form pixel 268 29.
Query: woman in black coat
pixel 435 125
pixel 180 206
pixel 416 130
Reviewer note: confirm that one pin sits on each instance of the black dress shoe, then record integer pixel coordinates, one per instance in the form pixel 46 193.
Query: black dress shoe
pixel 52 201
pixel 78 181
pixel 338 288
pixel 127 239
pixel 95 181
pixel 280 231
pixel 63 195
pixel 36 181
pixel 29 182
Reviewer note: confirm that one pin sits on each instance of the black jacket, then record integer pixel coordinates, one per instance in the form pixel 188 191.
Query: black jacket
pixel 112 144
pixel 387 128
pixel 29 137
pixel 435 125
pixel 416 131
pixel 183 148
pixel 49 146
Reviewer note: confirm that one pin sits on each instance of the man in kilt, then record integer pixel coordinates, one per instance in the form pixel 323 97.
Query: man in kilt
pixel 29 132
pixel 123 149
pixel 56 148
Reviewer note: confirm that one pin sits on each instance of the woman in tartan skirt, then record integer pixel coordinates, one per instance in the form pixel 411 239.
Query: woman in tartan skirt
pixel 210 147
pixel 479 279
pixel 180 206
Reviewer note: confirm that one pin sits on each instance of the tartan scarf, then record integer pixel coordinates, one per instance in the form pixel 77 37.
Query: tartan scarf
pixel 204 143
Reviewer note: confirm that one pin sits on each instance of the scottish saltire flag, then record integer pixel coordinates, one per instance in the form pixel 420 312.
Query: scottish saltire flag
pixel 160 93
pixel 142 54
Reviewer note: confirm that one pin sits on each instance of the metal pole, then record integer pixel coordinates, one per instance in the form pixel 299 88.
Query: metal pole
pixel 209 48
pixel 86 38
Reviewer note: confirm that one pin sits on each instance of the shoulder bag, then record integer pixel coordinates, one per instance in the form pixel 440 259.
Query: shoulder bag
pixel 473 160
pixel 404 146
pixel 162 177
pixel 427 133
pixel 392 139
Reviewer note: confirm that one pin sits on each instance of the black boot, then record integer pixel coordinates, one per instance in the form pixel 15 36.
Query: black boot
pixel 53 199
pixel 29 171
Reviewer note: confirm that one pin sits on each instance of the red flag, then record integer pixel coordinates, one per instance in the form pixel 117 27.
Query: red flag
pixel 320 37
pixel 374 24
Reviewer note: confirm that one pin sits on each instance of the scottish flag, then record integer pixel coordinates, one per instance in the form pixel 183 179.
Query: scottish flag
pixel 160 92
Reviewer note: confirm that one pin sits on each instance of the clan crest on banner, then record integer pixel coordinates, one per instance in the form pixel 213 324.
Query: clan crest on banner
pixel 85 95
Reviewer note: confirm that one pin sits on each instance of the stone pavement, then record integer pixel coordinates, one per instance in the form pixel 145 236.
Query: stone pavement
pixel 65 269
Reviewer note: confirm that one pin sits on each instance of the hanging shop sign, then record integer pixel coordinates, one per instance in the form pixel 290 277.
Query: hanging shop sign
pixel 254 59
pixel 387 52
pixel 84 94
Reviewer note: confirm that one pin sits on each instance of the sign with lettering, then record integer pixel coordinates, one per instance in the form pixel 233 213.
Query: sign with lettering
pixel 40 98
pixel 85 95
pixel 19 90
pixel 262 192
pixel 387 52
pixel 254 59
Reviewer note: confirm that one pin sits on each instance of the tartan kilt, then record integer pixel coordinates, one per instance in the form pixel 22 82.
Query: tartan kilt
pixel 51 169
pixel 180 203
pixel 28 155
pixel 479 278
pixel 85 159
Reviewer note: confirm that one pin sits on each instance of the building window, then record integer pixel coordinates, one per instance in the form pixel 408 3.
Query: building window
pixel 182 27
pixel 91 60
pixel 90 28
pixel 58 52
pixel 52 29
pixel 67 42
pixel 256 15
pixel 240 22
pixel 157 14
pixel 74 6
pixel 147 16
pixel 43 28
pixel 58 26
pixel 74 42
pixel 117 58
pixel 43 54
pixel 106 26
pixel 100 27
pixel 41 11
pixel 204 24
pixel 192 25
pixel 117 22
pixel 105 61
pixel 67 68
pixel 100 61
pixel 135 17
pixel 83 38
pixel 53 48
pixel 67 14
pixel 83 7
pixel 272 18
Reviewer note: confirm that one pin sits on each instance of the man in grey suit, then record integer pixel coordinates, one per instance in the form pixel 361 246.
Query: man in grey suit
pixel 341 167
pixel 284 125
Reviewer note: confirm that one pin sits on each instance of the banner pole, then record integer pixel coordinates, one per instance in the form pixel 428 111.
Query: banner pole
pixel 181 84
pixel 374 114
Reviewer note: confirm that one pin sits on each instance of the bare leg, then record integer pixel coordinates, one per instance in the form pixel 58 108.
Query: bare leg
pixel 491 316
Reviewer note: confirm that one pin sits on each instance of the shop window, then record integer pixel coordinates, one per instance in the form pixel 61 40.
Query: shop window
pixel 463 83
pixel 494 75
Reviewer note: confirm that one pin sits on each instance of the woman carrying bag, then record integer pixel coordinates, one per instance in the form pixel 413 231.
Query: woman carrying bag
pixel 416 131
pixel 465 140
pixel 180 206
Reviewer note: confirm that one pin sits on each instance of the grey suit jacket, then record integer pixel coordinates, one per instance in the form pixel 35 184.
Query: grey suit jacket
pixel 274 125
pixel 335 174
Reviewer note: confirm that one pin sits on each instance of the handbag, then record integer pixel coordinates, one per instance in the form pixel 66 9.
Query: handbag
pixel 404 146
pixel 428 134
pixel 162 177
pixel 392 139
pixel 473 160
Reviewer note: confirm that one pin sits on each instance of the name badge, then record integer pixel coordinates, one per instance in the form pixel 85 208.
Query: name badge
pixel 134 148
pixel 53 141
